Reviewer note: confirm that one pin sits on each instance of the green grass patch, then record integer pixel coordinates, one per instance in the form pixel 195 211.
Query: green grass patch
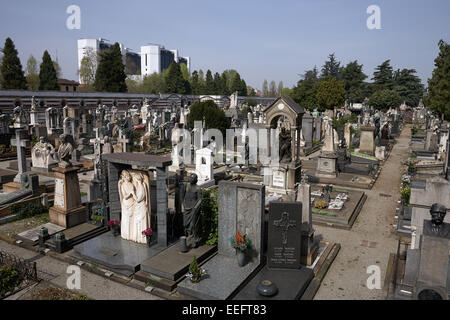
pixel 324 213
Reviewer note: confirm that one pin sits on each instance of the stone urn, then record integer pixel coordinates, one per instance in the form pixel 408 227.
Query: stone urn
pixel 149 240
pixel 241 257
pixel 116 230
pixel 183 245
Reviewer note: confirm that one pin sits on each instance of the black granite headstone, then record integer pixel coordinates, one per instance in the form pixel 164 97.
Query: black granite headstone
pixel 284 236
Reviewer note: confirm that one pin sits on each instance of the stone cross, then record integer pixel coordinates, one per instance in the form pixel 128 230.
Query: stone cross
pixel 97 152
pixel 20 143
pixel 285 224
pixel 124 141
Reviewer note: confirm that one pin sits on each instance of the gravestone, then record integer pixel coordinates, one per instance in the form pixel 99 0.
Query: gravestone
pixel 366 141
pixel 20 142
pixel 283 268
pixel 284 242
pixel 241 208
pixel 307 129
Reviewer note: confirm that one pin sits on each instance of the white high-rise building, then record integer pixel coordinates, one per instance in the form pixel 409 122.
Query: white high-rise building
pixel 151 59
pixel 156 58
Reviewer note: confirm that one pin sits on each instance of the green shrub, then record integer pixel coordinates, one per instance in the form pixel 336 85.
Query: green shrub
pixel 9 279
pixel 28 210
pixel 209 216
pixel 406 194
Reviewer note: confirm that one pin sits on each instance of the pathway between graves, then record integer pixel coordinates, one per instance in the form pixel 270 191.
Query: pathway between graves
pixel 370 241
pixel 94 286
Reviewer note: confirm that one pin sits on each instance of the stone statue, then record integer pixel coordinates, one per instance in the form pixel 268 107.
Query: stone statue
pixel 192 198
pixel 436 226
pixel 20 117
pixel 285 146
pixel 134 193
pixel 65 150
pixel 41 154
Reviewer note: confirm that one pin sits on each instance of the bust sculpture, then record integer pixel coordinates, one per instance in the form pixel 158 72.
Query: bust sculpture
pixel 41 153
pixel 65 150
pixel 436 226
pixel 192 198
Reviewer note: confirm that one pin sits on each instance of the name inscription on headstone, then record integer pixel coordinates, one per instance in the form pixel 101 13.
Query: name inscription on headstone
pixel 59 193
pixel 284 238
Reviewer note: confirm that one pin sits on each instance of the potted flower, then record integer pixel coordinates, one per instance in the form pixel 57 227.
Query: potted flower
pixel 241 243
pixel 115 226
pixel 148 234
pixel 195 272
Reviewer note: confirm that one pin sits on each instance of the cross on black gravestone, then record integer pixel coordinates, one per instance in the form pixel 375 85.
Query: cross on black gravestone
pixel 285 224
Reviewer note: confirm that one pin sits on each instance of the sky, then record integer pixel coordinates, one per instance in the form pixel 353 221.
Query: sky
pixel 273 40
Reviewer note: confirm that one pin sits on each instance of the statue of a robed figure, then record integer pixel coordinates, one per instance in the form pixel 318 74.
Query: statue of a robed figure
pixel 191 196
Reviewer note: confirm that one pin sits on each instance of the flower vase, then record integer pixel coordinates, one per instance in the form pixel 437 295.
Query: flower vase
pixel 116 231
pixel 149 240
pixel 241 256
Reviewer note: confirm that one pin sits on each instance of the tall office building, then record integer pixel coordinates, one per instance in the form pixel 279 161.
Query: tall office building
pixel 151 59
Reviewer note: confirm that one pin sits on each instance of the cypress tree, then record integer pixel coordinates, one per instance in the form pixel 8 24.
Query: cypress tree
pixel 110 75
pixel 175 82
pixel 11 68
pixel 48 79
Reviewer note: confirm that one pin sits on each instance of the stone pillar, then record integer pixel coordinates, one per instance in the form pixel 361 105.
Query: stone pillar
pixel 20 143
pixel 67 210
pixel 309 245
pixel 161 202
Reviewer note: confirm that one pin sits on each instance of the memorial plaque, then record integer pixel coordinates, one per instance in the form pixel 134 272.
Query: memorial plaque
pixel 59 193
pixel 278 178
pixel 284 241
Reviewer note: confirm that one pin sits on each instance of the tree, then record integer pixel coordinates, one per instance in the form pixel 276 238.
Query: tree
pixel 195 83
pixel 280 88
pixel 330 94
pixel 88 66
pixel 57 69
pixel 265 89
pixel 236 85
pixel 408 86
pixel 153 84
pixel 209 83
pixel 11 68
pixel 217 84
pixel 305 93
pixel 32 74
pixel 272 89
pixel 383 76
pixel 331 68
pixel 175 82
pixel 353 78
pixel 385 99
pixel 48 79
pixel 214 117
pixel 438 98
pixel 185 72
pixel 224 84
pixel 110 75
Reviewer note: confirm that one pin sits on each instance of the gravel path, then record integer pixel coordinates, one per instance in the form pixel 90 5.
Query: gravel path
pixel 370 241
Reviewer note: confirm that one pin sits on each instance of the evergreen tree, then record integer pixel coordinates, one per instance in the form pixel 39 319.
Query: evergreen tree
pixel 217 84
pixel 438 98
pixel 11 68
pixel 224 84
pixel 32 74
pixel 408 86
pixel 110 75
pixel 195 83
pixel 353 78
pixel 175 82
pixel 209 83
pixel 305 93
pixel 383 76
pixel 243 88
pixel 236 84
pixel 330 94
pixel 331 68
pixel 214 116
pixel 385 99
pixel 48 79
pixel 265 88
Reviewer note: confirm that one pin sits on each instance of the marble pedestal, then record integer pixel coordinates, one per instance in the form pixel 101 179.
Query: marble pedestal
pixel 283 177
pixel 326 166
pixel 67 210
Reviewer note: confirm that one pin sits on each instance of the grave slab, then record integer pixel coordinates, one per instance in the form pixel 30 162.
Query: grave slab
pixel 33 234
pixel 113 252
